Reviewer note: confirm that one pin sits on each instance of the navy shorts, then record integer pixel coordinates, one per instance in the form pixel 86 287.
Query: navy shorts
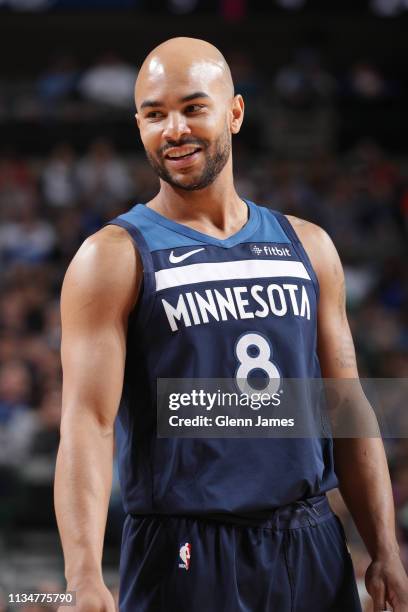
pixel 295 561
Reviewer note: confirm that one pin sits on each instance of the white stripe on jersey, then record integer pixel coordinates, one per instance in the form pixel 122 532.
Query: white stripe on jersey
pixel 228 270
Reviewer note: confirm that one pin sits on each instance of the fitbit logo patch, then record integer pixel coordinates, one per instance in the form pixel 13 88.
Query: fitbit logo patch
pixel 267 249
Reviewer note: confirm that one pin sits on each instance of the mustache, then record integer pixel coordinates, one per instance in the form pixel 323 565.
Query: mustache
pixel 187 141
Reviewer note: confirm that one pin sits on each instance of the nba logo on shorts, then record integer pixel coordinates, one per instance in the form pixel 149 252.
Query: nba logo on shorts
pixel 185 554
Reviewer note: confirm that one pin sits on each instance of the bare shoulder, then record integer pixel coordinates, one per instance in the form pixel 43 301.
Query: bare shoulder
pixel 106 268
pixel 309 232
pixel 105 246
pixel 317 244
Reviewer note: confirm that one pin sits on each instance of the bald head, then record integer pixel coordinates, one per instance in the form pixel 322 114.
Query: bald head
pixel 180 60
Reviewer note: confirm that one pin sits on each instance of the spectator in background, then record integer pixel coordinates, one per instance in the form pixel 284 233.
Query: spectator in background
pixel 28 238
pixel 17 185
pixel 15 426
pixel 43 439
pixel 15 391
pixel 58 83
pixel 302 121
pixel 13 312
pixel 110 81
pixel 365 81
pixel 71 227
pixel 59 180
pixel 305 82
pixel 104 178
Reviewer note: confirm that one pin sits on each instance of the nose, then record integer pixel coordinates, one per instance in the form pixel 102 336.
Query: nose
pixel 176 126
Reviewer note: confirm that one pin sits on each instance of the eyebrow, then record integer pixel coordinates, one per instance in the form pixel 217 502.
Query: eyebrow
pixel 192 96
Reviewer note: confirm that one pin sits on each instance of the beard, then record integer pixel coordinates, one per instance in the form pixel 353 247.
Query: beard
pixel 214 162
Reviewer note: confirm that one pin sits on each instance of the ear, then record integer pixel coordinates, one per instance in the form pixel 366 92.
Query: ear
pixel 237 113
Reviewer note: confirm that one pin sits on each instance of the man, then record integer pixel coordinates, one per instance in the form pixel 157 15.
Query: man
pixel 178 289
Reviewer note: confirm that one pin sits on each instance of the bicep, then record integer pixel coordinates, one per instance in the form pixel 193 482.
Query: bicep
pixel 97 296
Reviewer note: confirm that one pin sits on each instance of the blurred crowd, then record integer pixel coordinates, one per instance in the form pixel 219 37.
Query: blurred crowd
pixel 50 204
pixel 77 89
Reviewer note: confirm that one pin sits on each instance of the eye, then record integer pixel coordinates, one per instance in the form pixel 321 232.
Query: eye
pixel 154 115
pixel 194 108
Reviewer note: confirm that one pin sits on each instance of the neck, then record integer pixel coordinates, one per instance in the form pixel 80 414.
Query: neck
pixel 218 206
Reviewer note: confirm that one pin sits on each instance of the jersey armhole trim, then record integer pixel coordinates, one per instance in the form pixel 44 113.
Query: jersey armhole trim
pixel 298 246
pixel 144 305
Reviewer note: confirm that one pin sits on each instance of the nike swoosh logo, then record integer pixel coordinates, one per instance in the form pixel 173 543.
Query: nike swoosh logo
pixel 177 258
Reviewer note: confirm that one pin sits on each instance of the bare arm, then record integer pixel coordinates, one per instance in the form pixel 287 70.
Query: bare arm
pixel 98 294
pixel 360 462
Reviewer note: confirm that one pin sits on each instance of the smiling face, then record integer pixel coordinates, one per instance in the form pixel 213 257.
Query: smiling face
pixel 187 112
pixel 187 142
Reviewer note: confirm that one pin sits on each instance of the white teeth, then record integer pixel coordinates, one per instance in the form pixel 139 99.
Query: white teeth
pixel 181 152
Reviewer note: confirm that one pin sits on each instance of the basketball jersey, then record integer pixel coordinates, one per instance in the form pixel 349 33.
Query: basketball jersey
pixel 200 296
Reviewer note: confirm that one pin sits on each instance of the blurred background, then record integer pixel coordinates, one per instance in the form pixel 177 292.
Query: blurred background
pixel 324 138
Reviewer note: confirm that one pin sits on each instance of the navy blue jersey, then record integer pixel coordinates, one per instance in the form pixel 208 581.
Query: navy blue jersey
pixel 201 296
